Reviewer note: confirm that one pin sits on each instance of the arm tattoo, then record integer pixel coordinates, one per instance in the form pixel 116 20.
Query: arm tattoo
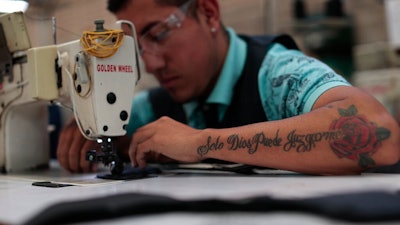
pixel 360 138
pixel 210 146
pixel 351 136
pixel 304 143
pixel 235 142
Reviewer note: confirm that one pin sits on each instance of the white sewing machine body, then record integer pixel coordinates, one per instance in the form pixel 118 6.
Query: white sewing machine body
pixel 99 90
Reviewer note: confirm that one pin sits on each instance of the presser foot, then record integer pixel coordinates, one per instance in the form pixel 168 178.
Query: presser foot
pixel 117 169
pixel 116 166
pixel 108 156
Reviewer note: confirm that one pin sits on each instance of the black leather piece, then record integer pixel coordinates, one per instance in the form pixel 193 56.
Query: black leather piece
pixel 373 206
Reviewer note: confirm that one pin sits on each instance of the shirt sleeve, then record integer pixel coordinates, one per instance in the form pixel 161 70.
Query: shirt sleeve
pixel 290 82
pixel 141 112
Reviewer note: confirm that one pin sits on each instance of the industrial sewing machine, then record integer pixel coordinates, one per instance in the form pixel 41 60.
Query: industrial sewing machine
pixel 94 76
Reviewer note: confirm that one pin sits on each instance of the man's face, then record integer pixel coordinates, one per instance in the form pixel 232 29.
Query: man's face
pixel 183 57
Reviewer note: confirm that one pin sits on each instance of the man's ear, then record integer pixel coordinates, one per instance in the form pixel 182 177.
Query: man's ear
pixel 210 10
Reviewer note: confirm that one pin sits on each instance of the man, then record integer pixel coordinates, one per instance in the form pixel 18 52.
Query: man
pixel 275 106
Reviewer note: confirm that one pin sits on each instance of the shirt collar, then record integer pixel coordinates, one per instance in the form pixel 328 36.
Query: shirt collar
pixel 230 73
pixel 231 70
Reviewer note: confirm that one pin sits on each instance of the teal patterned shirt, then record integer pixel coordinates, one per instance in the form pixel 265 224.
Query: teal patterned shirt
pixel 289 83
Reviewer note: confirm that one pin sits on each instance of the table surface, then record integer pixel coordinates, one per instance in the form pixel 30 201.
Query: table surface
pixel 20 200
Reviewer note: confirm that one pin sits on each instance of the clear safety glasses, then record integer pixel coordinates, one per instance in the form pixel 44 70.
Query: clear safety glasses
pixel 155 40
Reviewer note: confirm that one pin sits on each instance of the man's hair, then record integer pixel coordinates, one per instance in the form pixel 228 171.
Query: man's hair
pixel 116 5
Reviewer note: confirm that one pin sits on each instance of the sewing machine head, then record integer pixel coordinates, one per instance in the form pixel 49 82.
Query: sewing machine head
pixel 97 73
pixel 94 76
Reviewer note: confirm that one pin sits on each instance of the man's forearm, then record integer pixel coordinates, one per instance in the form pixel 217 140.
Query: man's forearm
pixel 346 141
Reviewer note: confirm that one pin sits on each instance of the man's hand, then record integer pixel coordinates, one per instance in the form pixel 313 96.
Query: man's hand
pixel 72 148
pixel 164 138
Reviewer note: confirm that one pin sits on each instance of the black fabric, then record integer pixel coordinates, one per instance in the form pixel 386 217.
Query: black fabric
pixel 246 107
pixel 374 206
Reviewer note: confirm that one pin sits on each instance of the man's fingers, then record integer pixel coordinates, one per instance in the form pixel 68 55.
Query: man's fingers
pixel 84 165
pixel 72 148
pixel 132 154
pixel 138 154
pixel 62 150
pixel 140 157
pixel 74 154
pixel 138 139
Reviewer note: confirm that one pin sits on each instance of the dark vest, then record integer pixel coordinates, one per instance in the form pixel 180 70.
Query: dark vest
pixel 246 107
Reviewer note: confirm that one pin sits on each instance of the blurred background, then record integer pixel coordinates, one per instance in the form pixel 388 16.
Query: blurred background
pixel 360 39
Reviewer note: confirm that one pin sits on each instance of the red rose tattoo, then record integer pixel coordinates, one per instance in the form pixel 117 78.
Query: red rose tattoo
pixel 360 137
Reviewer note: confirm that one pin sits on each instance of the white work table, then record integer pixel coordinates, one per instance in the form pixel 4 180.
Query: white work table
pixel 19 200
